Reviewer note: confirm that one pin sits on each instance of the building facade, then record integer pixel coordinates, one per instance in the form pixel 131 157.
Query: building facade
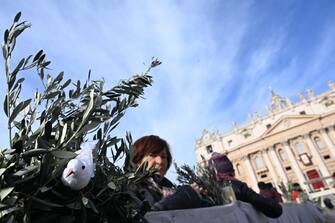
pixel 294 142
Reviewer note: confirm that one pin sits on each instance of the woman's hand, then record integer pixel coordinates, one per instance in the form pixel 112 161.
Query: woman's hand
pixel 167 192
pixel 199 189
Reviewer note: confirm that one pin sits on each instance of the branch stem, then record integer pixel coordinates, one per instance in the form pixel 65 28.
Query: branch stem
pixel 8 72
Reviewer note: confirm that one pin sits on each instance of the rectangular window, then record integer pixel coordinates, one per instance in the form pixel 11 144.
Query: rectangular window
pixel 247 135
pixel 230 142
pixel 302 113
pixel 299 149
pixel 209 149
pixel 264 175
pixel 259 162
pixel 319 143
pixel 326 157
pixel 282 155
pixel 314 174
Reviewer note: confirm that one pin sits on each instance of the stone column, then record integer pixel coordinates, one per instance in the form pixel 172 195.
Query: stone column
pixel 295 166
pixel 332 131
pixel 328 141
pixel 270 167
pixel 315 154
pixel 251 172
pixel 279 167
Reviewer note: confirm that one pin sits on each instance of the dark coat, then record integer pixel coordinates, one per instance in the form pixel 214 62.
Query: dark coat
pixel 151 191
pixel 182 197
pixel 267 206
pixel 271 193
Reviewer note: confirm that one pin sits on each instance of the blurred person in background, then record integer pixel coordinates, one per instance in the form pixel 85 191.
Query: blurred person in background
pixel 295 193
pixel 225 172
pixel 267 190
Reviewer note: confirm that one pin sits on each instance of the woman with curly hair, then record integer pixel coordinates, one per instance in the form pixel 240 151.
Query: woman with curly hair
pixel 158 191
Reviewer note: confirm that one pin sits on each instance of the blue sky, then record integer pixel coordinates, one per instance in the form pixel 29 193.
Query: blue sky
pixel 219 57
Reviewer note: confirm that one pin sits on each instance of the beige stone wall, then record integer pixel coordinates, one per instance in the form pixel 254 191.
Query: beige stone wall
pixel 265 148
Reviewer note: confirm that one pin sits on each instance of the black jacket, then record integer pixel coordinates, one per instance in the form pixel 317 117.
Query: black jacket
pixel 183 197
pixel 267 206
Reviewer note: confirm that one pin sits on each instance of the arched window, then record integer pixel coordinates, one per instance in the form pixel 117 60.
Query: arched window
pixel 299 148
pixel 238 169
pixel 282 155
pixel 319 143
pixel 259 162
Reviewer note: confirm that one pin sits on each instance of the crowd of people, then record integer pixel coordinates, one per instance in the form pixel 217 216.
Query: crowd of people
pixel 160 194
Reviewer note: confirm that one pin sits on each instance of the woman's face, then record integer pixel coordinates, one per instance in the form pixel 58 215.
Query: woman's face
pixel 158 161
